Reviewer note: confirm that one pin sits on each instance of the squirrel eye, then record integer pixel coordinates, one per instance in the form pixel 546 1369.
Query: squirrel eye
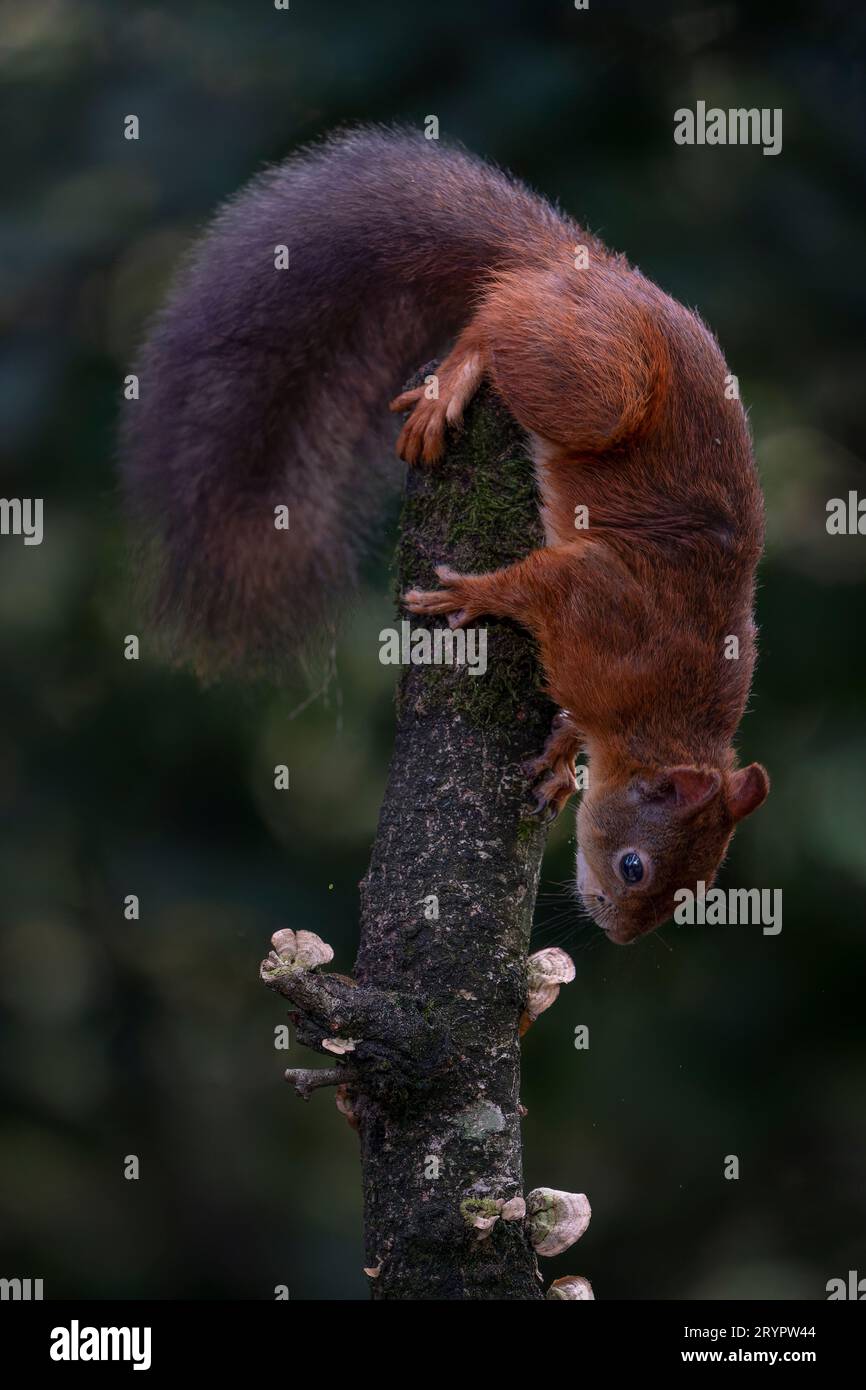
pixel 631 867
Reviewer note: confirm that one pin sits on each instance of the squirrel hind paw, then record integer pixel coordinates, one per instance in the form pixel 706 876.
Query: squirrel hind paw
pixel 422 438
pixel 430 602
pixel 452 601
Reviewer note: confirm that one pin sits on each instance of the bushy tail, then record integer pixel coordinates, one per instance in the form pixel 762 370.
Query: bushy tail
pixel 263 388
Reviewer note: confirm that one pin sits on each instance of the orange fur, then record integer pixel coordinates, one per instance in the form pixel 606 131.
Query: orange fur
pixel 266 391
pixel 623 393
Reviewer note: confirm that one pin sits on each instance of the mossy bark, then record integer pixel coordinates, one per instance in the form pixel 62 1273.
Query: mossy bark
pixel 447 906
pixel 426 1033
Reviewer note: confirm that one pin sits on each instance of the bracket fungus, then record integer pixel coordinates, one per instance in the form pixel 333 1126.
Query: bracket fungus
pixel 546 971
pixel 514 1209
pixel 482 1213
pixel 301 950
pixel 570 1286
pixel 339 1046
pixel 555 1220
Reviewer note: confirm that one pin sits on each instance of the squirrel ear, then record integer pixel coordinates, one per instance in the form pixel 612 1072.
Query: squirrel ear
pixel 685 789
pixel 747 789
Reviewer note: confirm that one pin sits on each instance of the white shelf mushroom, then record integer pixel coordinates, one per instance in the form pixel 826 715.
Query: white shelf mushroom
pixel 301 950
pixel 571 1286
pixel 555 1220
pixel 546 972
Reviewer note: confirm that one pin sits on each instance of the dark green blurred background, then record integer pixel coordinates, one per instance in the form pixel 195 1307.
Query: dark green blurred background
pixel 154 1037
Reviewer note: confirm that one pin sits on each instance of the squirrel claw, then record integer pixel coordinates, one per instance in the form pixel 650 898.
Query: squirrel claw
pixel 406 400
pixel 452 601
pixel 555 766
pixel 545 811
pixel 422 438
pixel 552 794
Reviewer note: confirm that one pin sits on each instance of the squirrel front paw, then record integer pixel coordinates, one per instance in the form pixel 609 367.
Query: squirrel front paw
pixel 455 599
pixel 557 762
pixel 554 791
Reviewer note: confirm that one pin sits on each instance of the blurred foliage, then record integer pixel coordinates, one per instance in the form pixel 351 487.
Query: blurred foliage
pixel 153 1037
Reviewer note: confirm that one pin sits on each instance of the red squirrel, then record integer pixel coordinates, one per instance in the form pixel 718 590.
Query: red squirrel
pixel 264 384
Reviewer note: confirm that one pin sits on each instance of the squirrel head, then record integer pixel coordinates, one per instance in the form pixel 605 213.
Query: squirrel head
pixel 657 831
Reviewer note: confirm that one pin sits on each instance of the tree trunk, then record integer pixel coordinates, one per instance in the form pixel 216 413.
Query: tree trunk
pixel 432 1055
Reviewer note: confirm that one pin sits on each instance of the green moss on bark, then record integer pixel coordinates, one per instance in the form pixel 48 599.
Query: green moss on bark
pixel 476 510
